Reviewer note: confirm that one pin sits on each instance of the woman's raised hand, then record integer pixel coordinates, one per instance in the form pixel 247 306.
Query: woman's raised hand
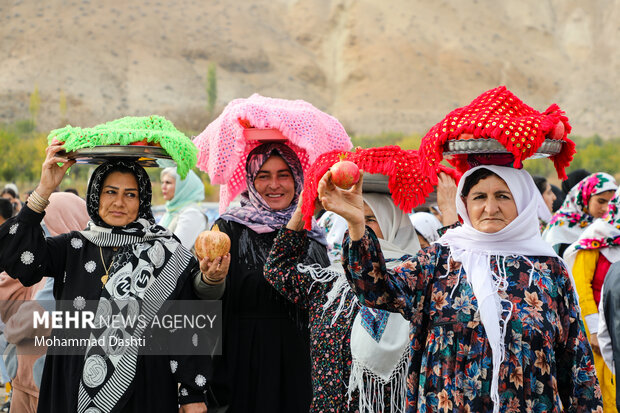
pixel 446 199
pixel 349 204
pixel 51 172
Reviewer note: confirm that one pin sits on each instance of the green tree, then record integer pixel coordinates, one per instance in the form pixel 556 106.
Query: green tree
pixel 35 104
pixel 211 89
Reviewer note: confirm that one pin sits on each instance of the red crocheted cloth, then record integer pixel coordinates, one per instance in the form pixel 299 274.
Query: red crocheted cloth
pixel 407 184
pixel 498 114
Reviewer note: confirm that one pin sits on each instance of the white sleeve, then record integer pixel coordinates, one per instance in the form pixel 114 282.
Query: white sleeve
pixel 191 222
pixel 592 322
pixel 604 340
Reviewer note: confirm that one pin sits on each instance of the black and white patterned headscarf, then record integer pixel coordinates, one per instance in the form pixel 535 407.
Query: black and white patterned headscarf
pixel 142 229
pixel 98 178
pixel 146 269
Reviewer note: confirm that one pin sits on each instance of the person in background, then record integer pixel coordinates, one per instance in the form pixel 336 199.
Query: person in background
pixel 495 314
pixel 6 210
pixel 72 191
pixel 586 201
pixel 573 178
pixel 609 321
pixel 66 212
pixel 11 195
pixel 590 258
pixel 183 216
pixel 426 226
pixel 544 187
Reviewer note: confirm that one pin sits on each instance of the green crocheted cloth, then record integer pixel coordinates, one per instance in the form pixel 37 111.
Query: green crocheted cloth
pixel 130 129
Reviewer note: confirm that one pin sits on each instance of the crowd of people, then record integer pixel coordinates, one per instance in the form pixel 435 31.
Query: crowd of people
pixel 500 296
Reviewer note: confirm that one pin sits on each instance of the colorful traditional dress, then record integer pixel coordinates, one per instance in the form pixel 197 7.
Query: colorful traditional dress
pixel 147 261
pixel 505 336
pixel 359 355
pixel 569 222
pixel 590 258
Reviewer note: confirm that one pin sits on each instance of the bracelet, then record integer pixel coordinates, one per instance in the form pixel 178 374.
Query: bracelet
pixel 209 281
pixel 37 203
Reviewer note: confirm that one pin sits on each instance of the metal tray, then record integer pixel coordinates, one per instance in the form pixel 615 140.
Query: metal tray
pixel 148 156
pixel 376 183
pixel 548 148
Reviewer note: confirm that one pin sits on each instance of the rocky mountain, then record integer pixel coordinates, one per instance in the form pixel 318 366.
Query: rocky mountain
pixel 390 65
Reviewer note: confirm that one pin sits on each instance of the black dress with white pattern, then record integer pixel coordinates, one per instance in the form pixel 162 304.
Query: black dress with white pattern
pixel 76 266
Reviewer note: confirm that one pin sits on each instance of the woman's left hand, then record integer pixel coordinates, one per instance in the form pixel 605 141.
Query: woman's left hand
pixel 446 196
pixel 214 272
pixel 193 408
pixel 296 223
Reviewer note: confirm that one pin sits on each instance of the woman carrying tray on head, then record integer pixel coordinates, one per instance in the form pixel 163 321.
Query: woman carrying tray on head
pixel 265 361
pixel 122 255
pixel 496 314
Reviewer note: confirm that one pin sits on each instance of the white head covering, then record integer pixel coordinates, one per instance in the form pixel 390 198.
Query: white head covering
pixel 335 227
pixel 427 225
pixel 379 339
pixel 399 236
pixel 571 220
pixel 601 235
pixel 474 250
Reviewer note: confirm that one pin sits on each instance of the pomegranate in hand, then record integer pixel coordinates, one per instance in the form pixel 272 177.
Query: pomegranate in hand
pixel 345 174
pixel 212 244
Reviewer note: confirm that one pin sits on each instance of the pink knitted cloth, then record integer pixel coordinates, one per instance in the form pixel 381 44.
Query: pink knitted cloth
pixel 223 149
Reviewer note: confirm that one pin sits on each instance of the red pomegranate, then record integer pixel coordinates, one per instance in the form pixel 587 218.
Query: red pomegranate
pixel 345 174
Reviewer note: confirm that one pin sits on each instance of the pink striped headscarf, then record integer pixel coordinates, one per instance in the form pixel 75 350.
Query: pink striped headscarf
pixel 223 149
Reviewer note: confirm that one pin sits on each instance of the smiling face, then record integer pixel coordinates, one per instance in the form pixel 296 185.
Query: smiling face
pixel 490 205
pixel 597 205
pixel 119 202
pixel 168 186
pixel 275 184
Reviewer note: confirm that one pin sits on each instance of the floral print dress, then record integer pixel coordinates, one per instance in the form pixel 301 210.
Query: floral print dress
pixel 330 344
pixel 569 222
pixel 548 365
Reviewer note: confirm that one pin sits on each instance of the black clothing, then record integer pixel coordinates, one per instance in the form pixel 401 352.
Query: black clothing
pixel 265 365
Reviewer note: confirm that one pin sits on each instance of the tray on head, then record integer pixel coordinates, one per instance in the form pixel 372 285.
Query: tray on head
pixel 548 148
pixel 148 156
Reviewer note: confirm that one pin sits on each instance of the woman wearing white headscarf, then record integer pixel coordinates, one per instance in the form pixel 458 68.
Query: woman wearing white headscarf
pixel 494 316
pixel 359 355
pixel 183 216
